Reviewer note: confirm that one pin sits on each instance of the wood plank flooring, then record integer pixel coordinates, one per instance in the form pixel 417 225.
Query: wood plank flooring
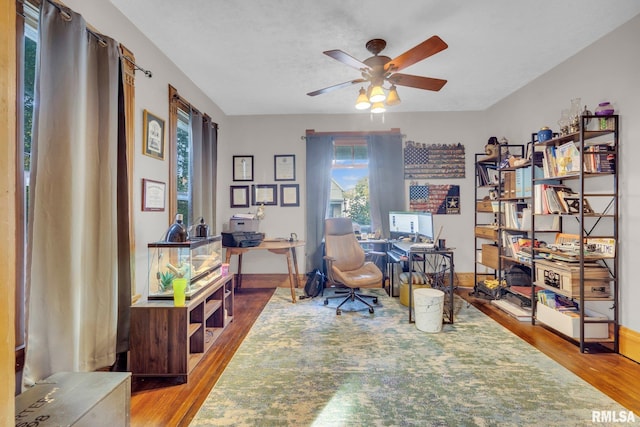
pixel 165 402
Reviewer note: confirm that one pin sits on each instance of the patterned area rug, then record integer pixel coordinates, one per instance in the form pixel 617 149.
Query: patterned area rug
pixel 301 365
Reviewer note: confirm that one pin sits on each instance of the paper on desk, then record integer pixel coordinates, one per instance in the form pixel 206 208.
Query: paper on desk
pixel 244 216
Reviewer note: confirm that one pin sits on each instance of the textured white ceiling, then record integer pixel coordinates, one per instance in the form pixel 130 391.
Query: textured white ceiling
pixel 262 57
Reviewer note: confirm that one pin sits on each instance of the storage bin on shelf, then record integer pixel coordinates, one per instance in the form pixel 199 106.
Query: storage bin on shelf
pixel 564 278
pixel 569 323
pixel 487 232
pixel 490 256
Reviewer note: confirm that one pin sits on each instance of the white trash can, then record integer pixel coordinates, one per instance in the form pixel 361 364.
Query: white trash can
pixel 429 304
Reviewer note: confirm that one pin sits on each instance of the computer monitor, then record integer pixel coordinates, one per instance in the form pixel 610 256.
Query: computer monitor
pixel 411 224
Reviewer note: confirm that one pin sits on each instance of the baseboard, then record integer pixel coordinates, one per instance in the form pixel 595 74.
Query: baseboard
pixel 464 280
pixel 269 281
pixel 629 343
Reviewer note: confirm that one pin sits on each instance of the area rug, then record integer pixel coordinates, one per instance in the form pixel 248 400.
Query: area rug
pixel 302 365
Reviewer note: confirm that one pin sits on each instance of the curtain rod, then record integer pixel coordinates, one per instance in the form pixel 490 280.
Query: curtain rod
pixel 147 73
pixel 67 17
pixel 352 134
pixel 187 104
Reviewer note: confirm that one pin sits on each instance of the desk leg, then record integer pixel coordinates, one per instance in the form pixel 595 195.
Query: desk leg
pixel 239 281
pixel 291 280
pixel 295 265
pixel 451 288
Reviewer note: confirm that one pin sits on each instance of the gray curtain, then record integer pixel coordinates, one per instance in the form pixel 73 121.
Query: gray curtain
pixel 204 140
pixel 319 156
pixel 386 179
pixel 72 255
pixel 198 187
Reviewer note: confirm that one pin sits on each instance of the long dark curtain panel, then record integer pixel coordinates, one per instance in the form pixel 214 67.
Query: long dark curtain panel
pixel 319 156
pixel 386 179
pixel 204 142
pixel 72 257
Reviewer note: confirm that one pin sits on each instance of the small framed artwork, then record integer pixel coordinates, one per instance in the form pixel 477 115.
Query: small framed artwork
pixel 264 194
pixel 284 167
pixel 289 195
pixel 153 138
pixel 153 195
pixel 243 168
pixel 239 196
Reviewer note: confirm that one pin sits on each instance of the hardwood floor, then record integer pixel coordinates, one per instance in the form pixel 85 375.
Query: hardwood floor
pixel 166 402
pixel 163 402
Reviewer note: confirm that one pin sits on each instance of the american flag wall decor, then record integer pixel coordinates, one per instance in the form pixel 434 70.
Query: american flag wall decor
pixel 433 161
pixel 438 199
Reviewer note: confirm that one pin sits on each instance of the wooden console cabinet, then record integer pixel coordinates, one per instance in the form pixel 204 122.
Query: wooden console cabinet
pixel 170 341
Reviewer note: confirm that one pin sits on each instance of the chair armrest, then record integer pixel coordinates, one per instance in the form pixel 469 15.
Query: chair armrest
pixel 329 261
pixel 374 256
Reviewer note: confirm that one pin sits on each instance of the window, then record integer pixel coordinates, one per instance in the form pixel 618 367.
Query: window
pixel 192 161
pixel 183 167
pixel 27 24
pixel 350 182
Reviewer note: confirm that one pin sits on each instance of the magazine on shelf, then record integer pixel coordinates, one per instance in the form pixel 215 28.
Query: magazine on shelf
pixel 567 159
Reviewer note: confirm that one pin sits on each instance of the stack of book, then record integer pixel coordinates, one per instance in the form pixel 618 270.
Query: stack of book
pixel 599 159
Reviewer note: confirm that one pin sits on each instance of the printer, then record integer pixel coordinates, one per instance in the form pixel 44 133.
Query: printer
pixel 243 224
pixel 243 232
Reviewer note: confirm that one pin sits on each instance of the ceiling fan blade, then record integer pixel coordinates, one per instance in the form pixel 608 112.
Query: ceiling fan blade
pixel 334 87
pixel 346 59
pixel 419 82
pixel 427 48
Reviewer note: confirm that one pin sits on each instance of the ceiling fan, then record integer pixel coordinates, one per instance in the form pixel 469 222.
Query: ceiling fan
pixel 379 69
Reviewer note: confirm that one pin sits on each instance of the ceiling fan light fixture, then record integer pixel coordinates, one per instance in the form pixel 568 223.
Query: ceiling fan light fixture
pixel 393 98
pixel 377 94
pixel 362 103
pixel 378 107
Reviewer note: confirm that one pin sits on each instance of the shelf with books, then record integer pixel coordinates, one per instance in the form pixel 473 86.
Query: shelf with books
pixel 500 186
pixel 575 185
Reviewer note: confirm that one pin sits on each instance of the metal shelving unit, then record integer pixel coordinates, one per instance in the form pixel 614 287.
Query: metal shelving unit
pixel 591 264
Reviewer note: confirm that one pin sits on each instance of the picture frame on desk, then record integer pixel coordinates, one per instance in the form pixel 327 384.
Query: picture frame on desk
pixel 264 194
pixel 289 195
pixel 239 196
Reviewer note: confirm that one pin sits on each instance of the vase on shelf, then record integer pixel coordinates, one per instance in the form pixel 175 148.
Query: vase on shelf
pixel 604 109
pixel 564 122
pixel 574 115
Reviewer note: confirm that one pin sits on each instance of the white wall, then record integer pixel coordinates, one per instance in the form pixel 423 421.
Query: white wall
pixel 606 70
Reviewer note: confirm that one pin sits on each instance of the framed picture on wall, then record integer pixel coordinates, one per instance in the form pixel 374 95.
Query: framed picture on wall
pixel 289 195
pixel 239 196
pixel 243 168
pixel 153 195
pixel 153 137
pixel 264 194
pixel 284 167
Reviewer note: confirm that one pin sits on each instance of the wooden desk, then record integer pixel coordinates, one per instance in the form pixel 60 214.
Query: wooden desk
pixel 284 247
